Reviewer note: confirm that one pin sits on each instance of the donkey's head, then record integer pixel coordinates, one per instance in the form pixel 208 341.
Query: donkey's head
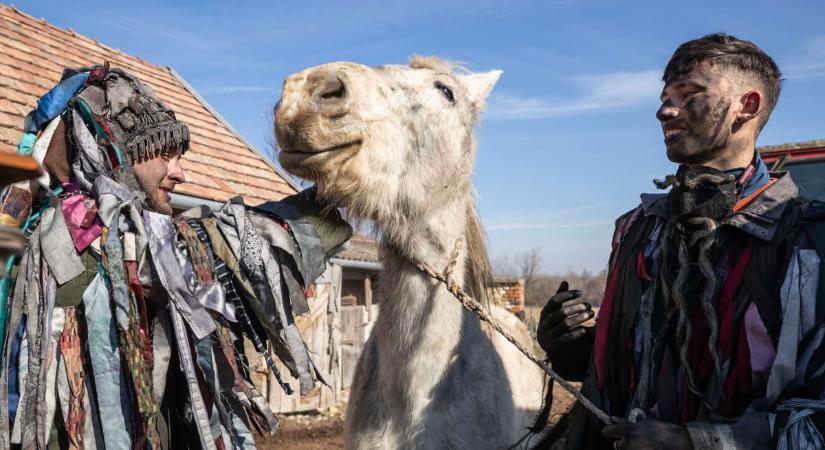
pixel 383 141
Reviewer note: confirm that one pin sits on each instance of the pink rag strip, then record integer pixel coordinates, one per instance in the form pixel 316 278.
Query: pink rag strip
pixel 74 210
pixel 762 350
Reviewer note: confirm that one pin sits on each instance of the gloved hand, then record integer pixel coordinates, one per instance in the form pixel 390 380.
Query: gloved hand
pixel 562 318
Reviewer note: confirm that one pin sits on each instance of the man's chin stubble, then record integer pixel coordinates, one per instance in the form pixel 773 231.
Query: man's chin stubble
pixel 158 207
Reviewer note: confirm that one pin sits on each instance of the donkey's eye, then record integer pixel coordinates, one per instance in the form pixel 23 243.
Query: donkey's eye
pixel 445 90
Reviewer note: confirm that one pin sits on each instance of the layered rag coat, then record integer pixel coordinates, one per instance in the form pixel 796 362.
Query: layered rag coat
pixel 770 307
pixel 122 328
pixel 138 340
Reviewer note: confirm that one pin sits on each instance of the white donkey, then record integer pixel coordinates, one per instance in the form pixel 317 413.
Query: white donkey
pixel 395 145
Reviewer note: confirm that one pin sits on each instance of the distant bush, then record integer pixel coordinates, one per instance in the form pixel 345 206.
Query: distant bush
pixel 543 286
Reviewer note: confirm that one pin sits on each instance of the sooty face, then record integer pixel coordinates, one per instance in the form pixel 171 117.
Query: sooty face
pixel 697 115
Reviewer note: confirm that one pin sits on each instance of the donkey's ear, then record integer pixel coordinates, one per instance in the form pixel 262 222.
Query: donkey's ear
pixel 479 85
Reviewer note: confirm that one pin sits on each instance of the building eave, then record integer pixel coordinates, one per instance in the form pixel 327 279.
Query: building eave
pixel 182 201
pixel 355 264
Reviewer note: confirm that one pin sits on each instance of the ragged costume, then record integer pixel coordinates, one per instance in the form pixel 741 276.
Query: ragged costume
pixel 713 315
pixel 123 328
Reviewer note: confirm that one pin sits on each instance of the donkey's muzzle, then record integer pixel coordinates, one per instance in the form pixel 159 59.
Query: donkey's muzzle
pixel 313 110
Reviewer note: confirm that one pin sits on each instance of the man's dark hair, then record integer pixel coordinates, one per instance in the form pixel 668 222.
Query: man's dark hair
pixel 729 52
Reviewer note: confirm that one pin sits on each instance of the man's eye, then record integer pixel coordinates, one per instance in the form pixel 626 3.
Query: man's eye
pixel 448 93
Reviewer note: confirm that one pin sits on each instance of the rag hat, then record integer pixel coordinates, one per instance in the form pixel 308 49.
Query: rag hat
pixel 131 115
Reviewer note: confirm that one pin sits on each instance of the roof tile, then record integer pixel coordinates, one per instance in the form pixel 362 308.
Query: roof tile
pixel 219 165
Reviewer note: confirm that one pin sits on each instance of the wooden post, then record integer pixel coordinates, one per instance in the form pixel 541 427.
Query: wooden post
pixel 368 295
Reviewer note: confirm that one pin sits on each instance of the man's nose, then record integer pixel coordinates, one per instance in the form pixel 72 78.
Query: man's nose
pixel 175 172
pixel 667 112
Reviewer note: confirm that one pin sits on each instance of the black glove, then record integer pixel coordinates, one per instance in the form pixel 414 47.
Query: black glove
pixel 562 318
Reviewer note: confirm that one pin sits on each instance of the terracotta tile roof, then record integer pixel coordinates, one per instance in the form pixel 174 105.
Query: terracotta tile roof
pixel 360 248
pixel 220 163
pixel 818 143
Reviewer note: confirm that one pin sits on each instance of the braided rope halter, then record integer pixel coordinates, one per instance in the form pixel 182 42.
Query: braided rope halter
pixel 472 305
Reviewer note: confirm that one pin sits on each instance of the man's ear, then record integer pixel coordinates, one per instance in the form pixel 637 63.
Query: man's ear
pixel 751 107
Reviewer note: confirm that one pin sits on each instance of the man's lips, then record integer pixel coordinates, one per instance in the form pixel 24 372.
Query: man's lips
pixel 168 192
pixel 672 132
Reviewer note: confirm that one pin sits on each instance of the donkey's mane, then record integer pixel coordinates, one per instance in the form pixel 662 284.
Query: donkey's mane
pixel 437 64
pixel 478 273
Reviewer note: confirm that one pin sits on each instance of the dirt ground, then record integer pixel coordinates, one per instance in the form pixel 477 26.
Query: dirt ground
pixel 308 432
pixel 326 431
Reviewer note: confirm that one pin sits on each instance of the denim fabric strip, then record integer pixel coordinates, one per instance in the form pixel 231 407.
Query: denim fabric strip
pixel 233 385
pixel 23 373
pixel 241 435
pixel 106 365
pixel 93 432
pixel 13 380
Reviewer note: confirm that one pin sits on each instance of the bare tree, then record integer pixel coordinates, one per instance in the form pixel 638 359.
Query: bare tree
pixel 529 265
pixel 525 265
pixel 503 266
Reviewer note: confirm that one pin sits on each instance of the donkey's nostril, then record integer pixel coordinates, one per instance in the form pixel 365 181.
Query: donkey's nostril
pixel 334 90
pixel 328 87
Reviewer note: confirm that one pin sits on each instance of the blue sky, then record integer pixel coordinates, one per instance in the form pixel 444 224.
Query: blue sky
pixel 569 139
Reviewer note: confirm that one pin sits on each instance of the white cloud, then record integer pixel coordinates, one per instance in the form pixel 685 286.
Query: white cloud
pixel 238 89
pixel 810 63
pixel 598 93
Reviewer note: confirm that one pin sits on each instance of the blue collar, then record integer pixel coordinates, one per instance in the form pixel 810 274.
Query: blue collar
pixel 759 178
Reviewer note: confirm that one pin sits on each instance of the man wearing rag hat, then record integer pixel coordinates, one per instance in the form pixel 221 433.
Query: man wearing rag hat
pixel 712 330
pixel 124 327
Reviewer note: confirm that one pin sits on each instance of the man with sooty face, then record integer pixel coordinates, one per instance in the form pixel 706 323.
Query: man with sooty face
pixel 711 331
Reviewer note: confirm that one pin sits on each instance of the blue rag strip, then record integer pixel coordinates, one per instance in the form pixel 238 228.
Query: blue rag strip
pixel 49 106
pixel 55 101
pixel 14 359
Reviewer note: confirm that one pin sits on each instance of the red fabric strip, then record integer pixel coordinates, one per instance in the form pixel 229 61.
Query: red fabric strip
pixel 725 306
pixel 602 328
pixel 737 386
pixel 641 266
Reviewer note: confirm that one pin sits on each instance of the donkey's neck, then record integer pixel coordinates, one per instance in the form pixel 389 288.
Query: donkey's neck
pixel 420 322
